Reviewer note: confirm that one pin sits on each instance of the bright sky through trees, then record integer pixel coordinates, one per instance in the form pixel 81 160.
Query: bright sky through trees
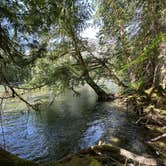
pixel 90 32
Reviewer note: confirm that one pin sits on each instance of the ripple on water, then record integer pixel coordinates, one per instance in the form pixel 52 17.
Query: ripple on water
pixel 68 127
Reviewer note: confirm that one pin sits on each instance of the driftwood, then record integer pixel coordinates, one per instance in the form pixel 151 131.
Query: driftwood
pixel 138 158
pixel 122 155
pixel 158 138
pixel 14 93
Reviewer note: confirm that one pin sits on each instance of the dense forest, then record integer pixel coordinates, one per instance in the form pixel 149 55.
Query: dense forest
pixel 42 50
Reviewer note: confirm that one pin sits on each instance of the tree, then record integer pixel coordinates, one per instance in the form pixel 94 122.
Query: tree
pixel 131 32
pixel 64 34
pixel 14 42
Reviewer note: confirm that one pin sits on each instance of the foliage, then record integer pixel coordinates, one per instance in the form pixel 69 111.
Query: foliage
pixel 146 51
pixel 44 37
pixel 131 32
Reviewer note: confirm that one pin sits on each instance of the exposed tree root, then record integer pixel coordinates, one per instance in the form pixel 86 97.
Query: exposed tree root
pixel 158 138
pixel 151 116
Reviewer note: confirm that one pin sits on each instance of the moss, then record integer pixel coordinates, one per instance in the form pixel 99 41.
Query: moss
pixel 79 161
pixel 149 91
pixel 8 159
pixel 93 156
pixel 156 129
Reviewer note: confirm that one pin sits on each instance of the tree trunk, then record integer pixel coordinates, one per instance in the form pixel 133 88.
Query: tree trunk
pixel 102 95
pixel 8 159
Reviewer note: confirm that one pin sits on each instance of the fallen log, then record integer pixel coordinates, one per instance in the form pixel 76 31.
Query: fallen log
pixel 138 158
pixel 99 154
pixel 8 159
pixel 121 155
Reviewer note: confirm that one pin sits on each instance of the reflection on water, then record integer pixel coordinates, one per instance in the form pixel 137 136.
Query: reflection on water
pixel 71 124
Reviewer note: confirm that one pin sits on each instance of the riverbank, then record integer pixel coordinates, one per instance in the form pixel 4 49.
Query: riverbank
pixel 150 111
pixel 100 155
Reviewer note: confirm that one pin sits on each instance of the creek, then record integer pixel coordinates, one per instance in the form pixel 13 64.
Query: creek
pixel 71 124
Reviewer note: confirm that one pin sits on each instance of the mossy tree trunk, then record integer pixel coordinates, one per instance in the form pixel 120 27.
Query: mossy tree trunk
pixel 102 95
pixel 8 159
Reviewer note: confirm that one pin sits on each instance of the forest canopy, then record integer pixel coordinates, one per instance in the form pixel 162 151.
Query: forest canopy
pixel 41 44
pixel 44 53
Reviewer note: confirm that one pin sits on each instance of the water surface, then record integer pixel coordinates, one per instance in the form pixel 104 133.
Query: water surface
pixel 73 123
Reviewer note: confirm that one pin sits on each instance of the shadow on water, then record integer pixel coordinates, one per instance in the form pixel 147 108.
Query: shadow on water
pixel 72 123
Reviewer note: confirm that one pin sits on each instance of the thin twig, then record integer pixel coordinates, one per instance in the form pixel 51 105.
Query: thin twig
pixel 14 93
pixel 159 137
pixel 3 133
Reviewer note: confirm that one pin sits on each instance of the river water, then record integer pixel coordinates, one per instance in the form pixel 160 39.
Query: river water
pixel 71 124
